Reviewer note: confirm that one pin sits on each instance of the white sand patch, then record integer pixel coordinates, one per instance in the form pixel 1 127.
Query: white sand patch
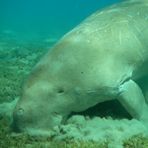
pixel 96 129
pixel 100 129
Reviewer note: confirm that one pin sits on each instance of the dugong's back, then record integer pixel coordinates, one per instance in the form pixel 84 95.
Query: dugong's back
pixel 122 19
pixel 109 44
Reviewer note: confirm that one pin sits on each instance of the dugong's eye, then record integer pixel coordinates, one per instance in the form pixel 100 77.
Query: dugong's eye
pixel 20 112
pixel 60 91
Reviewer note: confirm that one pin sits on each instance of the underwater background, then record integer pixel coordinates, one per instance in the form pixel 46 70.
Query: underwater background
pixel 28 28
pixel 38 19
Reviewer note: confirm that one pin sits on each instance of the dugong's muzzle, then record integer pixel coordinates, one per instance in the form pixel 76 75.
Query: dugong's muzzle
pixel 26 121
pixel 18 119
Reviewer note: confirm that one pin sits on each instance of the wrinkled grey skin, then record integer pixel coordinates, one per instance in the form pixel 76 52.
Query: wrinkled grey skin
pixel 102 59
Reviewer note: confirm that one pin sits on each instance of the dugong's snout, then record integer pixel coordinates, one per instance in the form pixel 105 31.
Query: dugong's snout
pixel 33 122
pixel 18 120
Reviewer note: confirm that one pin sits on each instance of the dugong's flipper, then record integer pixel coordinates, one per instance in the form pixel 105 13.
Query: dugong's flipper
pixel 132 98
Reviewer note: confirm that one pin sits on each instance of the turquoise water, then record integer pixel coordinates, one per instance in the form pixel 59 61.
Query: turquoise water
pixel 37 19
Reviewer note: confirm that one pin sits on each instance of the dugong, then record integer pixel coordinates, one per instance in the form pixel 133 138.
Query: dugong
pixel 101 59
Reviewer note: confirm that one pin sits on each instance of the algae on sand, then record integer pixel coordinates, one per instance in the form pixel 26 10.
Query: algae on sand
pixel 15 64
pixel 25 141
